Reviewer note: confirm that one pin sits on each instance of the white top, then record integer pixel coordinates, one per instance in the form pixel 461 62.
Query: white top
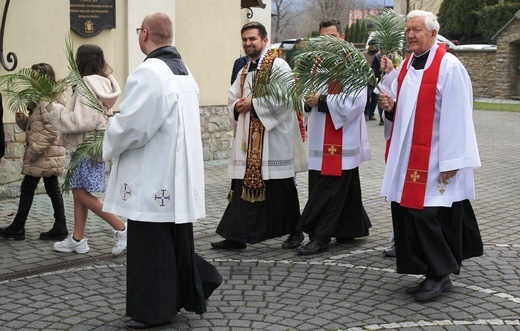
pixel 280 136
pixel 454 143
pixel 347 113
pixel 155 142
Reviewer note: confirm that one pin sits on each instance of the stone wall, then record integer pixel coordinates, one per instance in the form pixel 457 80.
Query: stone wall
pixel 508 60
pixel 10 177
pixel 217 135
pixel 481 67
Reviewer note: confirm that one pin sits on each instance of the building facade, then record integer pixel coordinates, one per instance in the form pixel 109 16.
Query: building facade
pixel 206 33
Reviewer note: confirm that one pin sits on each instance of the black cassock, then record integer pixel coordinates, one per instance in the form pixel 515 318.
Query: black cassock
pixel 435 240
pixel 253 222
pixel 164 274
pixel 335 207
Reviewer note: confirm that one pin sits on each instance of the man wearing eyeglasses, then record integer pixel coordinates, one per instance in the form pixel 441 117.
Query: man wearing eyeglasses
pixel 157 182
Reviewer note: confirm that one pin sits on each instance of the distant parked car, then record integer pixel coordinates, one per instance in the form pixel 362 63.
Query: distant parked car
pixel 475 47
pixel 444 40
pixel 287 45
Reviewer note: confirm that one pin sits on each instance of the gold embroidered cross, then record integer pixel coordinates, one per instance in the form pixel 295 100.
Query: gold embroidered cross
pixel 415 176
pixel 332 150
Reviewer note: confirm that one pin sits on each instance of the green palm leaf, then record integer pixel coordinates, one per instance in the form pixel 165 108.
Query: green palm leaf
pixel 27 88
pixel 388 32
pixel 328 59
pixel 280 88
pixel 321 60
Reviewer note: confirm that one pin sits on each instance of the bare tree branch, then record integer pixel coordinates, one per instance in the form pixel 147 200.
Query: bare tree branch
pixel 285 15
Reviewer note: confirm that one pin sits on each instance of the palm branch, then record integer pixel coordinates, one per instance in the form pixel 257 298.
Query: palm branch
pixel 280 88
pixel 388 31
pixel 328 59
pixel 321 60
pixel 27 87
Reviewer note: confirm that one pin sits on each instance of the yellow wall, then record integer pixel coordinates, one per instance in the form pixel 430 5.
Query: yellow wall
pixel 36 31
pixel 207 34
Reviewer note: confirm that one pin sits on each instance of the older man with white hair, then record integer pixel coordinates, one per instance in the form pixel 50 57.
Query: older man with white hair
pixel 431 154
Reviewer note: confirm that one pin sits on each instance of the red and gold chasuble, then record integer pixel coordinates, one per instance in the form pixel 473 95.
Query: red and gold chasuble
pixel 416 177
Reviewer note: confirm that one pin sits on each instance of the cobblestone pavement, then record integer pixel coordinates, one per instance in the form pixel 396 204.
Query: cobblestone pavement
pixel 351 287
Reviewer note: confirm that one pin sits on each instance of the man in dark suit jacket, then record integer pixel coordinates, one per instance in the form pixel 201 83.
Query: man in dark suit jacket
pixel 237 66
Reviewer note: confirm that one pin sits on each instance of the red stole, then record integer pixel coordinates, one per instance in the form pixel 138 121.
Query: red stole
pixel 414 189
pixel 331 162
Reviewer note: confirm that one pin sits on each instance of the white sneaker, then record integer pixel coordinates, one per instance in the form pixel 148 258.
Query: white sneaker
pixel 120 241
pixel 69 245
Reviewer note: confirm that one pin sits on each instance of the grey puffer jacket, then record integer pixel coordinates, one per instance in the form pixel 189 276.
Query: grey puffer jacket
pixel 43 156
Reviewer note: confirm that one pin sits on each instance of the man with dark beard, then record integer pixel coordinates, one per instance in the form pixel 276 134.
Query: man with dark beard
pixel 263 201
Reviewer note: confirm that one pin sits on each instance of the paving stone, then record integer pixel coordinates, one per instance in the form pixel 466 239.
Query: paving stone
pixel 267 288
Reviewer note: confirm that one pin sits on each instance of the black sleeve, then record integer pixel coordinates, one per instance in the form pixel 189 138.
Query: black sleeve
pixel 389 116
pixel 376 66
pixel 322 104
pixel 235 112
pixel 237 66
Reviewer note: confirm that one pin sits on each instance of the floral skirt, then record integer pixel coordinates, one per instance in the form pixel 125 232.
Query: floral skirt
pixel 89 175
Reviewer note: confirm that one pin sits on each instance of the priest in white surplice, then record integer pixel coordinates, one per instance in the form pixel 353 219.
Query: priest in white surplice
pixel 157 182
pixel 431 154
pixel 338 145
pixel 263 201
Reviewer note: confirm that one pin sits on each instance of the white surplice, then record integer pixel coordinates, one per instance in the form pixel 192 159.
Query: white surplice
pixel 282 142
pixel 347 114
pixel 155 143
pixel 454 143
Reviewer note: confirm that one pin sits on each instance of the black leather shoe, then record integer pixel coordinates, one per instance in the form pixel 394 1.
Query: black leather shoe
pixel 381 122
pixel 54 234
pixel 372 118
pixel 416 288
pixel 228 244
pixel 293 241
pixel 14 232
pixel 313 247
pixel 390 251
pixel 430 289
pixel 135 325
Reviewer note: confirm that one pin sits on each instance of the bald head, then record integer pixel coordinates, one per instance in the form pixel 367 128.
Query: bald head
pixel 160 29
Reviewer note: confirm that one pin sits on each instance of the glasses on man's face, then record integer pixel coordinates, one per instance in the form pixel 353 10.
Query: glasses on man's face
pixel 138 30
